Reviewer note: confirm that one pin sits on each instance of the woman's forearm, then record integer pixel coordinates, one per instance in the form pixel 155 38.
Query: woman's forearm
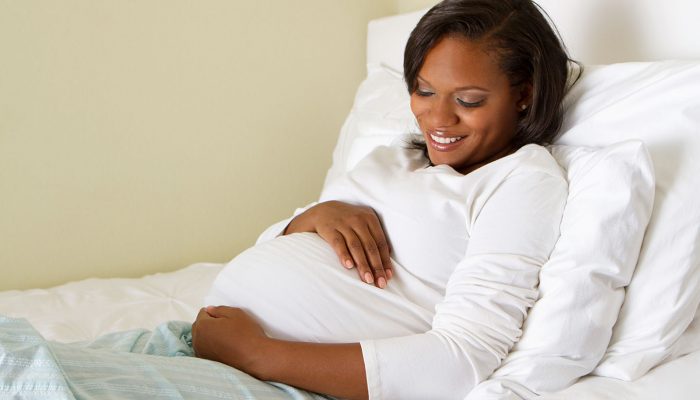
pixel 231 336
pixel 334 369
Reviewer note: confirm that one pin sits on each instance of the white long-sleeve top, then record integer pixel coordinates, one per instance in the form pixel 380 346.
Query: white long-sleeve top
pixel 467 250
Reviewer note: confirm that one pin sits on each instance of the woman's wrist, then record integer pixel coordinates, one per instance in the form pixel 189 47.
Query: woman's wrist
pixel 303 222
pixel 263 359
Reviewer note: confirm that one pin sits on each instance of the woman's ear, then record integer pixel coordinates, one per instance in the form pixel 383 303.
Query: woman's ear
pixel 524 96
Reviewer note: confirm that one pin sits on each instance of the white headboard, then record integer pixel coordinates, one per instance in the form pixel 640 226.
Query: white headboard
pixel 611 31
pixel 595 31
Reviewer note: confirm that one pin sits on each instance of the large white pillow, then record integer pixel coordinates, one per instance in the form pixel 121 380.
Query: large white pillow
pixel 611 193
pixel 658 103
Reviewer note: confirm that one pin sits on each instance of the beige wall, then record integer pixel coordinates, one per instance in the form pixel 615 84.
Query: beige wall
pixel 403 6
pixel 141 136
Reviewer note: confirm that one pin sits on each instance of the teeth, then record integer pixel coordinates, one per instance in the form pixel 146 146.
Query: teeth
pixel 445 140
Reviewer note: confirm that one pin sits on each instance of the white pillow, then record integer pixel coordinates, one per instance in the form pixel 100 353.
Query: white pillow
pixel 689 341
pixel 658 103
pixel 611 193
pixel 380 114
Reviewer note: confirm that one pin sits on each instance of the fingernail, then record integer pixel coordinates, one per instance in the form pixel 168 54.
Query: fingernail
pixel 389 274
pixel 348 264
pixel 382 282
pixel 368 277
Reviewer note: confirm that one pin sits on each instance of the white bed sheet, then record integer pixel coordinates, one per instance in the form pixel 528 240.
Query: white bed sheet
pixel 86 309
pixel 675 380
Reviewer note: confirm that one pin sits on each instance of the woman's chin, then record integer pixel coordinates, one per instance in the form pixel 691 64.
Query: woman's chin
pixel 440 158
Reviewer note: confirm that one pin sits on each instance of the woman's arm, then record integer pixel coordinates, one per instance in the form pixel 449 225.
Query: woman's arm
pixel 231 336
pixel 512 231
pixel 335 369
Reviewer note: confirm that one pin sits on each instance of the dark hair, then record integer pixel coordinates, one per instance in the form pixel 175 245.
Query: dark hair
pixel 527 46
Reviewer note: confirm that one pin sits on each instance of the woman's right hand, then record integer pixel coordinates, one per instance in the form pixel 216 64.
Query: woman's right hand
pixel 355 234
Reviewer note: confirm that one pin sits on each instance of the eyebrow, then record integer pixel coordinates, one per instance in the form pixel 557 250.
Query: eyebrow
pixel 459 89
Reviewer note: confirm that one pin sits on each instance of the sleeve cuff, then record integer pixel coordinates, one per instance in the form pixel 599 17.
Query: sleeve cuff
pixel 369 356
pixel 278 228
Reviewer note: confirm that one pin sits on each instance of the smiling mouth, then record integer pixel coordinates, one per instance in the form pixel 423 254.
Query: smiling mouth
pixel 446 140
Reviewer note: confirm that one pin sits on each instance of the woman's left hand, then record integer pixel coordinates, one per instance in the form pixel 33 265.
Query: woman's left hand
pixel 231 336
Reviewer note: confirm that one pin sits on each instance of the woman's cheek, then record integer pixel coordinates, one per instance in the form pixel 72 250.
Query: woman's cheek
pixel 419 108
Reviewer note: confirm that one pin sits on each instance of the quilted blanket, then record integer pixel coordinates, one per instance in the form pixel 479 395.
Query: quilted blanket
pixel 137 364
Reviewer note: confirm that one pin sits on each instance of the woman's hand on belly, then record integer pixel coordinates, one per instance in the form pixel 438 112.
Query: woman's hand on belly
pixel 229 335
pixel 355 234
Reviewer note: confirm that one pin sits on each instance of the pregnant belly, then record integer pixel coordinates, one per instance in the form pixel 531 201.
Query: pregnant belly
pixel 296 288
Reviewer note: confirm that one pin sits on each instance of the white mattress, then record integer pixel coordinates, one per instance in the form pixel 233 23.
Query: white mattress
pixel 86 309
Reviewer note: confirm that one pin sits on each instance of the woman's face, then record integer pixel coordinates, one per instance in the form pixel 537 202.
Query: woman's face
pixel 465 105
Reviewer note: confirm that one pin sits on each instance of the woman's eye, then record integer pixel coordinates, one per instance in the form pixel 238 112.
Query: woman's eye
pixel 423 93
pixel 469 104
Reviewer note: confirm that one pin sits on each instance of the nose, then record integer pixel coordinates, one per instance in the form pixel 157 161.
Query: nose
pixel 442 113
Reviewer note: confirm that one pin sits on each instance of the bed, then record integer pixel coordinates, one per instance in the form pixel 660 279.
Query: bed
pixel 642 86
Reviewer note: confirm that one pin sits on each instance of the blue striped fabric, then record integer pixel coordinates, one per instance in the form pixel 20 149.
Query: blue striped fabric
pixel 132 365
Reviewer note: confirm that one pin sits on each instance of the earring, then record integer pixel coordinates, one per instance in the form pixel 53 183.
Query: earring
pixel 523 107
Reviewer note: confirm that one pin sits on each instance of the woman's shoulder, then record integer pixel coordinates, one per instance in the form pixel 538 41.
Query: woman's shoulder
pixel 532 159
pixel 530 167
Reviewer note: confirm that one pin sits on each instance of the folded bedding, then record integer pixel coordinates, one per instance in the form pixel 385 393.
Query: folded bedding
pixel 136 364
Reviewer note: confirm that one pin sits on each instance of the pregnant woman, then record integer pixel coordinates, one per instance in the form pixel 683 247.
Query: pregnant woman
pixel 446 233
